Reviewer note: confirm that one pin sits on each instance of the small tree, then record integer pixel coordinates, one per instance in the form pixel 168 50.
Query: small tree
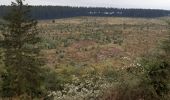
pixel 22 60
pixel 53 21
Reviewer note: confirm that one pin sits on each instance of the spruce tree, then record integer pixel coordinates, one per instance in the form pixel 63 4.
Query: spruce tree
pixel 23 64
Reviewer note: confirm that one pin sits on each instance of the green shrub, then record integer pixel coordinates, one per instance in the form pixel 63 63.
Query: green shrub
pixel 157 73
pixel 54 81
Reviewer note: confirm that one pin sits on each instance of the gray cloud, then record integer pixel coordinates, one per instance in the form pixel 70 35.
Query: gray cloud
pixel 155 4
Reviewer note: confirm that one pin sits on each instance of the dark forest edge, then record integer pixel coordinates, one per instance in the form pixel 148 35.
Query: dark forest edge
pixel 56 12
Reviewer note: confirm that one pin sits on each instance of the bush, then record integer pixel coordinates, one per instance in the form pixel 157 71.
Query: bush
pixel 157 73
pixel 84 88
pixel 53 81
pixel 130 92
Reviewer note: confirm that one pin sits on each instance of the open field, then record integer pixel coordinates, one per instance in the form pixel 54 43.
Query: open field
pixel 101 55
pixel 98 58
pixel 54 52
pixel 99 41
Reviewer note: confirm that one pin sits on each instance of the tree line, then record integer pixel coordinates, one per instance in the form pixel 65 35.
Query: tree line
pixel 54 12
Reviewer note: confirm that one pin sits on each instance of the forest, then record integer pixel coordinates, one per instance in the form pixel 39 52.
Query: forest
pixel 55 12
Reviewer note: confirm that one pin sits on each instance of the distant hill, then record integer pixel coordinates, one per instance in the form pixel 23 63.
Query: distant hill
pixel 54 12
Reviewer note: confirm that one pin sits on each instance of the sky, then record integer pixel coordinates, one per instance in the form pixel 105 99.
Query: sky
pixel 151 4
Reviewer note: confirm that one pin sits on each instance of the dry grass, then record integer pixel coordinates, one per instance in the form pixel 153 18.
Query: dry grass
pixel 140 36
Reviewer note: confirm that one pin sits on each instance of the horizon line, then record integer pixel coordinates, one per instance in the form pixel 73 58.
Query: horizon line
pixel 96 7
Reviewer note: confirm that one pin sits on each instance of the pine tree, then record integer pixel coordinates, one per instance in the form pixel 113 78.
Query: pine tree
pixel 21 54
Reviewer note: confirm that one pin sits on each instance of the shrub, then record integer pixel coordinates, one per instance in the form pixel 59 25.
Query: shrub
pixel 157 73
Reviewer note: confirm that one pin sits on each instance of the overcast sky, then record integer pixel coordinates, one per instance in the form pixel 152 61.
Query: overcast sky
pixel 153 4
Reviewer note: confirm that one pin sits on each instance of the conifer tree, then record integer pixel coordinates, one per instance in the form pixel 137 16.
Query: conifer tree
pixel 23 64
